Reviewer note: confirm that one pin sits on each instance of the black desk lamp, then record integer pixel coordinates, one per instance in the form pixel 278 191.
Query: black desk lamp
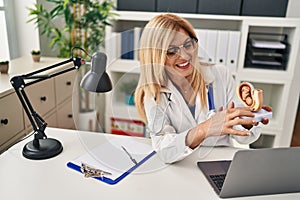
pixel 96 80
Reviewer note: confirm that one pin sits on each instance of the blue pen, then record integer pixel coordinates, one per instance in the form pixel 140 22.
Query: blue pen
pixel 211 103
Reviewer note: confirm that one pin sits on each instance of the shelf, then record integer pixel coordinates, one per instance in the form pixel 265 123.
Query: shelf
pixel 122 110
pixel 280 86
pixel 272 21
pixel 274 96
pixel 272 129
pixel 125 66
pixel 264 75
pixel 225 22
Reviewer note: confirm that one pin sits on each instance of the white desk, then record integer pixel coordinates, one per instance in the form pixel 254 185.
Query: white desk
pixel 51 179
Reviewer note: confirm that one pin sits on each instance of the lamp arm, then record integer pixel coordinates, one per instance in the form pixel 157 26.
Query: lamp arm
pixel 18 82
pixel 40 78
pixel 75 60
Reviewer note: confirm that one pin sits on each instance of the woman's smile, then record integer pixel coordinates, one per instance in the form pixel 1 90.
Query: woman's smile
pixel 184 65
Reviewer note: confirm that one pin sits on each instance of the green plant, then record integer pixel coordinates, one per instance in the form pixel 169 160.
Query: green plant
pixel 84 23
pixel 4 62
pixel 35 52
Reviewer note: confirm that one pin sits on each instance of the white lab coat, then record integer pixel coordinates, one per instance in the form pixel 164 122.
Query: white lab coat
pixel 170 121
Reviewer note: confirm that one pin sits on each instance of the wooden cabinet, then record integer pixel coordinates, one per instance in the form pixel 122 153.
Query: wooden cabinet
pixel 12 120
pixel 42 97
pixel 51 119
pixel 51 99
pixel 64 86
pixel 65 116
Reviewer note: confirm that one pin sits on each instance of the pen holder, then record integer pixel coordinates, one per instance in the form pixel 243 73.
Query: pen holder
pixel 4 67
pixel 87 120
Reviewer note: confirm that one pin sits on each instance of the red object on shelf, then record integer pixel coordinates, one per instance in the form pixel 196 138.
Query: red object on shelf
pixel 127 127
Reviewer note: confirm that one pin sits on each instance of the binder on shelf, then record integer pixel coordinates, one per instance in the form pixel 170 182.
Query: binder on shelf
pixel 201 35
pixel 130 43
pixel 222 47
pixel 211 45
pixel 136 45
pixel 116 158
pixel 127 44
pixel 233 50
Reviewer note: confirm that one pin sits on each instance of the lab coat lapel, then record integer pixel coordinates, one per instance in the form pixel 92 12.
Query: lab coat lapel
pixel 185 109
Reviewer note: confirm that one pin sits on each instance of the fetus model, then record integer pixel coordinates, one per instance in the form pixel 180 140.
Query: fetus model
pixel 250 96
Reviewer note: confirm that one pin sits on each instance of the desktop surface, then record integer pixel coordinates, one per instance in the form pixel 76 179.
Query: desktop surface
pixel 21 178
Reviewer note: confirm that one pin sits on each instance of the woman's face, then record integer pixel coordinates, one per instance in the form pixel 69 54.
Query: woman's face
pixel 180 54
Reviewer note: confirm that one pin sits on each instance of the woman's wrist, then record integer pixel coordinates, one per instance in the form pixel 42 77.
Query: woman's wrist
pixel 195 136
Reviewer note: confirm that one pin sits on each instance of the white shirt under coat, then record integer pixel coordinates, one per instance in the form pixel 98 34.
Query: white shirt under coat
pixel 168 125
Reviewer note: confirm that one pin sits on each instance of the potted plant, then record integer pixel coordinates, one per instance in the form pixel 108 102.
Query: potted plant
pixel 4 65
pixel 128 88
pixel 82 24
pixel 36 55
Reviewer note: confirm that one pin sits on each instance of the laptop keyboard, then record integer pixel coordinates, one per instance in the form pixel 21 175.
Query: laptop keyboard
pixel 218 180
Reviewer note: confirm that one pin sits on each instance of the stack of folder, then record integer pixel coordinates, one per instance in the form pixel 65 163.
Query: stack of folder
pixel 219 47
pixel 267 51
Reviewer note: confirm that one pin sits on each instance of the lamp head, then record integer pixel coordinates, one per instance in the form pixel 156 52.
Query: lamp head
pixel 97 80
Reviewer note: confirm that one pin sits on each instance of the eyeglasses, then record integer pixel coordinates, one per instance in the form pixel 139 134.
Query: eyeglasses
pixel 189 46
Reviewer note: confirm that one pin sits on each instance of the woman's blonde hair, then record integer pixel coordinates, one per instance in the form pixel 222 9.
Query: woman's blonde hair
pixel 155 40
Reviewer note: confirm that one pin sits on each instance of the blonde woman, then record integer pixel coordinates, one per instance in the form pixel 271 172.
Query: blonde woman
pixel 177 96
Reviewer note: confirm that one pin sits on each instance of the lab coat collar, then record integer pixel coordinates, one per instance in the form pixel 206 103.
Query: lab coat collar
pixel 199 113
pixel 178 99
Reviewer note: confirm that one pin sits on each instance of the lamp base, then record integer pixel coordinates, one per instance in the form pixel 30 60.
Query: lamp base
pixel 48 148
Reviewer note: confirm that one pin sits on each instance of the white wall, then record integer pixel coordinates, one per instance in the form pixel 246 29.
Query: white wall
pixel 26 33
pixel 293 9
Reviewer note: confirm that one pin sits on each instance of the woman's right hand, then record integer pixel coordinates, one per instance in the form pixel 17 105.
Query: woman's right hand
pixel 222 123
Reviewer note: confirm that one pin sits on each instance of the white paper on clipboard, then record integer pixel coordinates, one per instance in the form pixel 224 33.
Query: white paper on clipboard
pixel 110 156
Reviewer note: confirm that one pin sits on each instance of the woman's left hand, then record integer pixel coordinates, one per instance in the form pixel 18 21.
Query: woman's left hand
pixel 269 109
pixel 264 121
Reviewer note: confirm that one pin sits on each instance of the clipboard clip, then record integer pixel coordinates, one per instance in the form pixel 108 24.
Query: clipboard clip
pixel 92 172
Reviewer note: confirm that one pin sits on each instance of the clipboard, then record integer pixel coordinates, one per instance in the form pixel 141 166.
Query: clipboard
pixel 111 157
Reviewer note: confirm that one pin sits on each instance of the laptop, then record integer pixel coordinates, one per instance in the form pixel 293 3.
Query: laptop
pixel 255 172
